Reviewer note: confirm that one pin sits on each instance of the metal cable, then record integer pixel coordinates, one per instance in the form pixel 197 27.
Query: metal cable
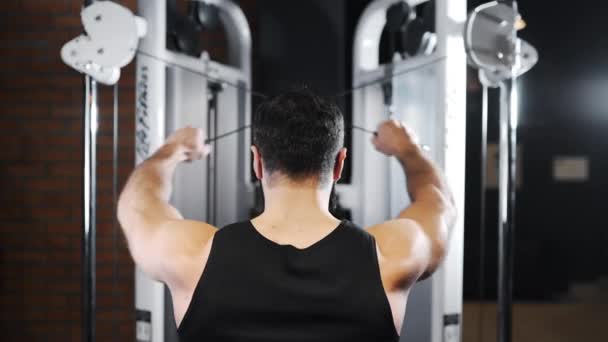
pixel 388 78
pixel 264 96
pixel 242 128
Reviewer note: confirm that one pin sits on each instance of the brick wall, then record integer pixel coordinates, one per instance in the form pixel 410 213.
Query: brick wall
pixel 40 182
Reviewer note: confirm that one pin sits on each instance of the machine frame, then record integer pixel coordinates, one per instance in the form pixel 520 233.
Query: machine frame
pixel 436 302
pixel 174 90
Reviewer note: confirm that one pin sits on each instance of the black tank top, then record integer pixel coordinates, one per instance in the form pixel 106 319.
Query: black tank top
pixel 255 290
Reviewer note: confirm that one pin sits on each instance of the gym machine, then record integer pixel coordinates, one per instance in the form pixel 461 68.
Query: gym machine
pixel 110 42
pixel 422 84
pixel 172 93
pixel 177 84
pixel 501 57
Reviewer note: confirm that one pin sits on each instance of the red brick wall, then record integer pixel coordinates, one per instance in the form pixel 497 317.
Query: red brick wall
pixel 40 182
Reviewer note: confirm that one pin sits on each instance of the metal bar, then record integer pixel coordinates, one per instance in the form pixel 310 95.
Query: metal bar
pixel 115 139
pixel 389 112
pixel 212 126
pixel 89 210
pixel 507 194
pixel 509 106
pixel 209 162
pixel 89 207
pixel 482 202
pixel 215 152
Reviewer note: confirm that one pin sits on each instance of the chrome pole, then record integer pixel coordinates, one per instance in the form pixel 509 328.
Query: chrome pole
pixel 212 162
pixel 89 210
pixel 482 203
pixel 507 194
pixel 89 188
pixel 509 115
pixel 115 141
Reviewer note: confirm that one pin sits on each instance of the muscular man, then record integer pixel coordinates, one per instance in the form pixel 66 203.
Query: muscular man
pixel 294 273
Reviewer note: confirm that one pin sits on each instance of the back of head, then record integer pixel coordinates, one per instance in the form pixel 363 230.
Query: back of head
pixel 298 135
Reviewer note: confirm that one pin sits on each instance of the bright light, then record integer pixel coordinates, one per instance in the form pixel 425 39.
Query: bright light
pixel 94 120
pixel 515 106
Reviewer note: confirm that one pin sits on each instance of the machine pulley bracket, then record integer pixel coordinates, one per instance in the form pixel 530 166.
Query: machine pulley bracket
pixel 110 42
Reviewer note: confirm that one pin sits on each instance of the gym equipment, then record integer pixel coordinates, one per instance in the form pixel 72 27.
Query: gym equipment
pixel 494 48
pixel 170 82
pixel 175 87
pixel 425 90
pixel 179 84
pixel 411 34
pixel 110 42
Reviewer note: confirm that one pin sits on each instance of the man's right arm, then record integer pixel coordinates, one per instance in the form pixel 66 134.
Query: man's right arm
pixel 414 243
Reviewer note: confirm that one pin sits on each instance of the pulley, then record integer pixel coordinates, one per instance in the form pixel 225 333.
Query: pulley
pixel 110 42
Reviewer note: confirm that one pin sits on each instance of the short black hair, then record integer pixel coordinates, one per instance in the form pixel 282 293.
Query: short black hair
pixel 299 134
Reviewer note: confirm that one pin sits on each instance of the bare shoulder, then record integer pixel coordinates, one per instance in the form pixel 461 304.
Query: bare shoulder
pixel 403 251
pixel 190 259
pixel 178 252
pixel 186 237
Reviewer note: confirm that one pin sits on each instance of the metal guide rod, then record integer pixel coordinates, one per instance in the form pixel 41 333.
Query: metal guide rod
pixel 212 126
pixel 115 139
pixel 507 193
pixel 482 202
pixel 89 188
pixel 507 189
pixel 89 210
pixel 387 94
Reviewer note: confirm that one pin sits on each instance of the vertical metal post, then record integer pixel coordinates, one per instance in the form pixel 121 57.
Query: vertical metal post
pixel 507 193
pixel 89 210
pixel 509 115
pixel 115 141
pixel 482 203
pixel 212 127
pixel 389 112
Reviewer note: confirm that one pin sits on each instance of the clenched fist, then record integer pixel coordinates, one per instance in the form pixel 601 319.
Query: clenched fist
pixel 395 139
pixel 189 144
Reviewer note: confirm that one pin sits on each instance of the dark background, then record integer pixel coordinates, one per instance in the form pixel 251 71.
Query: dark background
pixel 561 236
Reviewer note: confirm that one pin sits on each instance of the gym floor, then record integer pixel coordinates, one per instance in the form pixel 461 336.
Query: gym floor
pixel 555 322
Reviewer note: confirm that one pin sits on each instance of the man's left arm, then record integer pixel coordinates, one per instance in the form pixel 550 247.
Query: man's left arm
pixel 161 242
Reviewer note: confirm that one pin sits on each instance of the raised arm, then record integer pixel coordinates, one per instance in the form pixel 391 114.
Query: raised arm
pixel 414 243
pixel 161 242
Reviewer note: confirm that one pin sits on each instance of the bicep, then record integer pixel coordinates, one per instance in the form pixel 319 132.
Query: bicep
pixel 169 251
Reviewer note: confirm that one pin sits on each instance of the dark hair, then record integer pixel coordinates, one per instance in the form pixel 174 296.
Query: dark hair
pixel 298 134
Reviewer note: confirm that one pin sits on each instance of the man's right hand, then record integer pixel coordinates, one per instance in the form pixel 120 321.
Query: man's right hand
pixel 395 139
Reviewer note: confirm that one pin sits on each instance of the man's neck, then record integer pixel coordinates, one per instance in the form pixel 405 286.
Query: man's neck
pixel 294 202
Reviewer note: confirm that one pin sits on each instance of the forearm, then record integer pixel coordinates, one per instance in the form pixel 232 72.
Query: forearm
pixel 421 173
pixel 428 190
pixel 417 240
pixel 145 198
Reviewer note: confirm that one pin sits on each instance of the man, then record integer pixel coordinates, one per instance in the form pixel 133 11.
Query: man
pixel 294 273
